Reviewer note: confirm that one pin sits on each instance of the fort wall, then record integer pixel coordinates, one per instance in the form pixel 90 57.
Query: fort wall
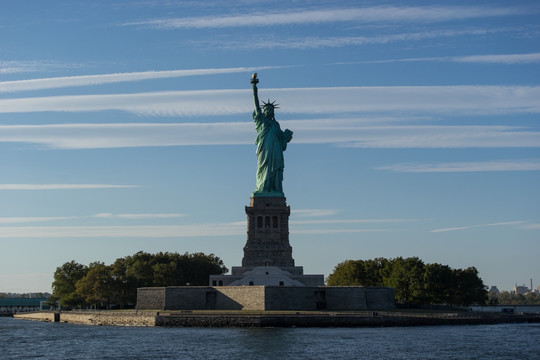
pixel 265 298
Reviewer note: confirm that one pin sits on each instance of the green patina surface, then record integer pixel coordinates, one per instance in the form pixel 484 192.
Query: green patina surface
pixel 271 143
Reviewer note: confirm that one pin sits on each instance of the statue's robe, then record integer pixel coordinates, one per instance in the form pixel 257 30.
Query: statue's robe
pixel 271 142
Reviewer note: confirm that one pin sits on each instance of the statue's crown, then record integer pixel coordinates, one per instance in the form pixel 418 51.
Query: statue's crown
pixel 270 103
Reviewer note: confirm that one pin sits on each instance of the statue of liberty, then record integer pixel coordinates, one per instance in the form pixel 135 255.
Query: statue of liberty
pixel 271 143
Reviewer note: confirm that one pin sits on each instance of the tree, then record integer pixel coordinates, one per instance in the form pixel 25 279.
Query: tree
pixel 406 277
pixel 373 272
pixel 414 282
pixel 470 288
pixel 98 287
pixel 65 278
pixel 438 283
pixel 100 284
pixel 347 273
pixel 200 266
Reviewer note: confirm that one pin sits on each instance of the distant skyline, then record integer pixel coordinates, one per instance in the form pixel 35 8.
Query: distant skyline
pixel 126 126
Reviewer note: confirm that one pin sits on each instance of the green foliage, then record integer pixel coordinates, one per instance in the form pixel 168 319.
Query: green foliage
pixel 65 278
pixel 414 282
pixel 511 298
pixel 406 277
pixel 98 286
pixel 101 285
pixel 358 273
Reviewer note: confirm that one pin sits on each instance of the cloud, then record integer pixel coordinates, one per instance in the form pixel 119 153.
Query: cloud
pixel 137 216
pixel 313 42
pixel 347 133
pixel 496 165
pixel 87 80
pixel 477 226
pixel 501 59
pixel 336 231
pixel 166 103
pixel 94 136
pixel 13 67
pixel 165 231
pixel 16 220
pixel 387 99
pixel 372 14
pixel 314 212
pixel 350 221
pixel 62 186
pixel 528 58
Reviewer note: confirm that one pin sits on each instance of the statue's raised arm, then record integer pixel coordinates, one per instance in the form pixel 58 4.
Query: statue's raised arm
pixel 254 82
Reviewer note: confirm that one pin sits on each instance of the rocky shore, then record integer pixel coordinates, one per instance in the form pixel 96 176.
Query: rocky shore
pixel 275 319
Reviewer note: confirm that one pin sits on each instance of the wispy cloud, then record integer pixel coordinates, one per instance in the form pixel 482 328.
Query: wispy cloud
pixel 29 219
pixel 166 103
pixel 165 231
pixel 349 221
pixel 527 58
pixel 87 80
pixel 149 232
pixel 137 216
pixel 94 136
pixel 501 59
pixel 477 226
pixel 62 186
pixel 497 165
pixel 336 231
pixel 340 132
pixel 314 212
pixel 387 99
pixel 13 67
pixel 18 220
pixel 314 42
pixel 374 14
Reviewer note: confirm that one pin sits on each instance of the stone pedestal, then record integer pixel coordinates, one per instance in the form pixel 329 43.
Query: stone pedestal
pixel 268 233
pixel 267 257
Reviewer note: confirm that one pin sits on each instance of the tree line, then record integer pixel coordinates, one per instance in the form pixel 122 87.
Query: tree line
pixel 98 285
pixel 25 295
pixel 414 282
pixel 511 298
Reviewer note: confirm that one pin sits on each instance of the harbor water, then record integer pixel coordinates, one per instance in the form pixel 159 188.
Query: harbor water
pixel 22 339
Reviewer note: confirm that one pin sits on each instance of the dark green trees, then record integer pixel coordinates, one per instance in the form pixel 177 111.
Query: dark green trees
pixel 65 278
pixel 414 282
pixel 101 285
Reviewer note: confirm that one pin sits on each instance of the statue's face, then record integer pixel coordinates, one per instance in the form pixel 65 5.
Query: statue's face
pixel 269 111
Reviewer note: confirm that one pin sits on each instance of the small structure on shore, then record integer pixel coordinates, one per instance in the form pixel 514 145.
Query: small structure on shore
pixel 16 305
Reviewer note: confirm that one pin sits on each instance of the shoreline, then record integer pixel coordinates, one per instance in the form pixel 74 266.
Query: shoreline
pixel 274 318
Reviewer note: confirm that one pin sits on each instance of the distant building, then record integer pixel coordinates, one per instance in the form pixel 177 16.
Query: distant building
pixel 521 290
pixel 15 305
pixel 494 290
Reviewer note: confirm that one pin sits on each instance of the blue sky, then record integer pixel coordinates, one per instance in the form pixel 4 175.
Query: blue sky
pixel 126 126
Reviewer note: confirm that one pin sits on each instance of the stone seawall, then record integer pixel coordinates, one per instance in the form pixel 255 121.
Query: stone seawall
pixel 273 319
pixel 112 318
pixel 36 316
pixel 368 319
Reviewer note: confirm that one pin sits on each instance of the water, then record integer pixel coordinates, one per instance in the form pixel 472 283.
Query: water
pixel 21 339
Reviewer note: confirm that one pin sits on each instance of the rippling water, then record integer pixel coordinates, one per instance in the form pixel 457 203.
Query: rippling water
pixel 21 339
